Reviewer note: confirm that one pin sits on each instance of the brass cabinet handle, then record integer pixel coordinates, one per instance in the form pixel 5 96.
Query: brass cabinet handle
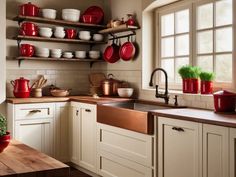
pixel 35 111
pixel 178 129
pixel 88 110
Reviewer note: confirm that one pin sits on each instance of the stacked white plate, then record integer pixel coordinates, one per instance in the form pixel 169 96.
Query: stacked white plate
pixel 42 52
pixel 49 13
pixel 56 53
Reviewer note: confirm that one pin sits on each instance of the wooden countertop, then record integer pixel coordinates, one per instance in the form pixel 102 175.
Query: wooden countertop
pixel 199 115
pixel 21 160
pixel 84 99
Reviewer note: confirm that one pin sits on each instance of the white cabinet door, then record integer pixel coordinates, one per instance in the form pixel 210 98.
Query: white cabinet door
pixel 62 131
pixel 179 148
pixel 215 151
pixel 36 133
pixel 232 152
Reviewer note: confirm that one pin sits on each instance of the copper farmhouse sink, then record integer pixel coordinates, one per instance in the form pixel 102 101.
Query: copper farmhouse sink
pixel 132 115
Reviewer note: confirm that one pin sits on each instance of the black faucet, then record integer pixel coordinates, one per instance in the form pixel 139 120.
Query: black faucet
pixel 165 96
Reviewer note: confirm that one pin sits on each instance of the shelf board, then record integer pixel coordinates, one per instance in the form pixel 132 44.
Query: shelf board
pixel 36 38
pixel 21 18
pixel 119 29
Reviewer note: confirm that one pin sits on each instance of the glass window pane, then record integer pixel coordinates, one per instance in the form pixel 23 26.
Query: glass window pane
pixel 205 42
pixel 167 47
pixel 205 16
pixel 182 45
pixel 224 68
pixel 167 25
pixel 224 12
pixel 178 64
pixel 206 63
pixel 168 65
pixel 182 21
pixel 224 42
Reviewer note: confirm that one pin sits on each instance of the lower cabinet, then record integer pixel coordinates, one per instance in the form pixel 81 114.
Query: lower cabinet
pixel 83 135
pixel 232 151
pixel 179 148
pixel 123 153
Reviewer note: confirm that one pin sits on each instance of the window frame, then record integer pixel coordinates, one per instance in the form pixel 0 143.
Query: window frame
pixel 193 31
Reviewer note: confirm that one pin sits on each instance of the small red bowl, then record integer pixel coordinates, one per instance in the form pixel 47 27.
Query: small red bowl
pixel 71 33
pixel 27 50
pixel 89 19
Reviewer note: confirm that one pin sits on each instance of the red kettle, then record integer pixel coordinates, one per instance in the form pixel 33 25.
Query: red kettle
pixel 21 88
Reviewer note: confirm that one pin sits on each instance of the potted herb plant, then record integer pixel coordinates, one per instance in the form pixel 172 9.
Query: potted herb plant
pixel 207 82
pixel 4 134
pixel 190 75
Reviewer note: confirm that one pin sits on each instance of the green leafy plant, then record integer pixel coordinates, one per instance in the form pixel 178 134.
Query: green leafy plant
pixel 189 72
pixel 207 76
pixel 3 125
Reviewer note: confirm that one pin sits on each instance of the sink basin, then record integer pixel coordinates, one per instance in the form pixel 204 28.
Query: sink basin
pixel 131 115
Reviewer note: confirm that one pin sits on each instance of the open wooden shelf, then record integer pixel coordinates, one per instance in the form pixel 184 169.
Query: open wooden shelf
pixel 121 28
pixel 21 18
pixel 44 39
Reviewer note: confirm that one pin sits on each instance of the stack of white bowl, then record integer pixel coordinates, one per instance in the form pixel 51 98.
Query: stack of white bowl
pixel 42 52
pixel 80 54
pixel 49 13
pixel 59 32
pixel 56 53
pixel 97 37
pixel 85 35
pixel 94 54
pixel 67 55
pixel 72 15
pixel 45 32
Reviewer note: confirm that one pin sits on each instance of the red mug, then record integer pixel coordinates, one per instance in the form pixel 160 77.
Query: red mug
pixel 71 33
pixel 27 50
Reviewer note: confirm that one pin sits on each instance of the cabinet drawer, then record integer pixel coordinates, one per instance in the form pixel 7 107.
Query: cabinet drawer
pixel 32 111
pixel 126 144
pixel 113 166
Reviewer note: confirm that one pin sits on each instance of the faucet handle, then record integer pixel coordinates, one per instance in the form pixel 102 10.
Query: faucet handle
pixel 176 100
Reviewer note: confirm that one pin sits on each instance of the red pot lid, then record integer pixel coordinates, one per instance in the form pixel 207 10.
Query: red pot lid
pixel 127 51
pixel 97 12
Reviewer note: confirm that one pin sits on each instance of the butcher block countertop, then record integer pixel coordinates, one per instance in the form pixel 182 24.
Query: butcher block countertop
pixel 199 115
pixel 84 99
pixel 21 160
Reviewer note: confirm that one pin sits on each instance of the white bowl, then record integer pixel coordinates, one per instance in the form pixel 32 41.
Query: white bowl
pixel 67 56
pixel 49 13
pixel 84 37
pixel 76 11
pixel 59 29
pixel 44 55
pixel 71 15
pixel 97 37
pixel 80 54
pixel 45 29
pixel 94 54
pixel 56 55
pixel 125 92
pixel 41 50
pixel 56 50
pixel 45 34
pixel 59 34
pixel 86 33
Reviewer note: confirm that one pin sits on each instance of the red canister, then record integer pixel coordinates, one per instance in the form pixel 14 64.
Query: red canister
pixel 29 9
pixel 27 50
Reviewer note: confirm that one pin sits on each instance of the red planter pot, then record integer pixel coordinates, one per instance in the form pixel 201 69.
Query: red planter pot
pixel 224 101
pixel 4 141
pixel 27 50
pixel 186 85
pixel 190 86
pixel 206 87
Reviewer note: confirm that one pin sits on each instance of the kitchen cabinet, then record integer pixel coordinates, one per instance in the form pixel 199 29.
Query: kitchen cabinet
pixel 232 151
pixel 179 148
pixel 124 153
pixel 33 124
pixel 83 135
pixel 62 131
pixel 215 151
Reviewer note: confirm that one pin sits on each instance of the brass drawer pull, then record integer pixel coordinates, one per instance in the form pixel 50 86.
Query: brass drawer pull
pixel 178 129
pixel 35 111
pixel 88 110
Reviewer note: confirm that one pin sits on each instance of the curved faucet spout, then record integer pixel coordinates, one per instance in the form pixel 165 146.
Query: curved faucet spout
pixel 165 96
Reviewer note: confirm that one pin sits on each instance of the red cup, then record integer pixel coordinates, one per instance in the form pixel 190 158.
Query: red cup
pixel 206 87
pixel 71 33
pixel 27 50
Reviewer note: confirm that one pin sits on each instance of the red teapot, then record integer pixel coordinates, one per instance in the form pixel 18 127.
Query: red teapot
pixel 21 88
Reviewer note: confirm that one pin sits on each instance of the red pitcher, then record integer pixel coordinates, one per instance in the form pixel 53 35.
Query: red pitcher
pixel 21 88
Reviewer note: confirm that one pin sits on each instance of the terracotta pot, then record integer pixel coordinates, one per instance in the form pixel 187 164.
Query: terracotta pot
pixel 71 33
pixel 29 10
pixel 27 50
pixel 4 141
pixel 206 87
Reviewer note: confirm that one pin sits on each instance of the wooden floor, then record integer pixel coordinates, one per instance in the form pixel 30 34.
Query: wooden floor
pixel 76 173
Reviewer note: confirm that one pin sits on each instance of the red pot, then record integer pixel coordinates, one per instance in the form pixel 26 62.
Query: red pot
pixel 21 88
pixel 224 101
pixel 111 53
pixel 29 29
pixel 4 141
pixel 29 10
pixel 27 50
pixel 71 33
pixel 206 87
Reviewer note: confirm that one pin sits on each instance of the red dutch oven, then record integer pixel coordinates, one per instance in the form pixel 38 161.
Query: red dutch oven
pixel 224 101
pixel 21 88
pixel 4 141
pixel 27 50
pixel 29 29
pixel 29 10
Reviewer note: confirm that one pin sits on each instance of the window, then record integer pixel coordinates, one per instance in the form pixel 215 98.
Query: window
pixel 198 33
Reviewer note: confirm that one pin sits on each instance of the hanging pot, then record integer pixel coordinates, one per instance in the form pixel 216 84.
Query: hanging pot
pixel 127 50
pixel 111 53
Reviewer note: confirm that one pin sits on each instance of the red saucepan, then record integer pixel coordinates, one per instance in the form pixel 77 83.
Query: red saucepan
pixel 127 51
pixel 111 53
